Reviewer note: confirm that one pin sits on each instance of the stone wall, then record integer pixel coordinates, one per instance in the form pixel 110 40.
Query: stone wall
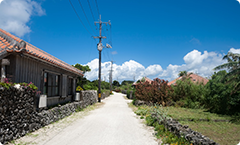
pixel 193 137
pixel 18 116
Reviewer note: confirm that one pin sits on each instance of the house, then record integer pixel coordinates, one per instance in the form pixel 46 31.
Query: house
pixel 23 62
pixel 193 78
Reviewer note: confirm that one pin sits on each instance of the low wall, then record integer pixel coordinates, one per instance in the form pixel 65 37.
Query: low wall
pixel 193 137
pixel 18 116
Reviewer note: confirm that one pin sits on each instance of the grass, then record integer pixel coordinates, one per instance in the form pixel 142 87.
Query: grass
pixel 221 132
pixel 164 135
pixel 195 114
pixel 224 133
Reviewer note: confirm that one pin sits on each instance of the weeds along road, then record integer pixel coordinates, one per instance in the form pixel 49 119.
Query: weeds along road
pixel 114 123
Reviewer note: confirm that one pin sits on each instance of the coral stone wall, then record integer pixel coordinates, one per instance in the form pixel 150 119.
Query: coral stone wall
pixel 18 116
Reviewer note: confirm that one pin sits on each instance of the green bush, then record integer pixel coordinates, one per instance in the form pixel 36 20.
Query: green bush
pixel 220 97
pixel 188 94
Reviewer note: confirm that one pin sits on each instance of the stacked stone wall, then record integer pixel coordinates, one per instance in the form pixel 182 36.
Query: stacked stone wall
pixel 18 116
pixel 193 137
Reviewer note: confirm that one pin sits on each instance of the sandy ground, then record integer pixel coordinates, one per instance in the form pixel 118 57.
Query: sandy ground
pixel 110 122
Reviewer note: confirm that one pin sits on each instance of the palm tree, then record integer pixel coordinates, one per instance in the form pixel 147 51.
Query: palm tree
pixel 182 73
pixel 233 66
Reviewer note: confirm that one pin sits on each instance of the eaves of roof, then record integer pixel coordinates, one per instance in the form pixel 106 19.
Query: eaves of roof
pixel 10 44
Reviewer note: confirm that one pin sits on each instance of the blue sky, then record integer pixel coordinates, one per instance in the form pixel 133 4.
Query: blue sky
pixel 155 38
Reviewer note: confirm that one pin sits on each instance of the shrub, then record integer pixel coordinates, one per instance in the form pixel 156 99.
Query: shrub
pixel 188 94
pixel 220 97
pixel 156 92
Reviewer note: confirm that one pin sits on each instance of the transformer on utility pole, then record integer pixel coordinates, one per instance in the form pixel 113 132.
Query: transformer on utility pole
pixel 100 47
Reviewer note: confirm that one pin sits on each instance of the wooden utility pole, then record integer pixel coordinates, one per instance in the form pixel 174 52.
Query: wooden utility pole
pixel 100 47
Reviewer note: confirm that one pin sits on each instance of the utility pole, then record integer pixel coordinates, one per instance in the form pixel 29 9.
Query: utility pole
pixel 110 77
pixel 100 47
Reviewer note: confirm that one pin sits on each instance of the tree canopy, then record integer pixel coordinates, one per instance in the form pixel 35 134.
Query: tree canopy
pixel 82 68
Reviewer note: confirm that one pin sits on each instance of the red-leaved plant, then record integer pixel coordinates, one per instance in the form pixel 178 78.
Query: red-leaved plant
pixel 156 92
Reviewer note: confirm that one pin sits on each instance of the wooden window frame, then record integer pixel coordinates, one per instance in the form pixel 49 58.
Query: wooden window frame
pixel 53 86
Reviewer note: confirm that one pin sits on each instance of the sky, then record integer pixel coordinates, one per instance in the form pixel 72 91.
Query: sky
pixel 154 38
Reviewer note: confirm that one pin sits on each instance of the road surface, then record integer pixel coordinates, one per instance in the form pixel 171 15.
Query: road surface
pixel 114 123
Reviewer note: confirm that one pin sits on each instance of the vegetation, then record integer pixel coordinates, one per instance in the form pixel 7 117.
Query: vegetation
pixel 221 132
pixel 156 92
pixel 212 109
pixel 30 86
pixel 188 94
pixel 163 134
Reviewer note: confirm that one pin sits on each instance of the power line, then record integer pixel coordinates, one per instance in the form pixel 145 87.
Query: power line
pixel 97 7
pixel 79 17
pixel 85 15
pixel 91 10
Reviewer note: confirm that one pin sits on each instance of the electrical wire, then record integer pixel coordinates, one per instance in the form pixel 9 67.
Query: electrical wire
pixel 91 10
pixel 79 17
pixel 85 15
pixel 97 8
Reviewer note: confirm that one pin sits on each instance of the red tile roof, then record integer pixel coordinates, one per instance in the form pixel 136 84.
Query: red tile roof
pixel 10 43
pixel 193 77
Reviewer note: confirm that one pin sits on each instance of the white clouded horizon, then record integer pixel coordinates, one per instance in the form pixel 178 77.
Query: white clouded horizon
pixel 15 15
pixel 195 61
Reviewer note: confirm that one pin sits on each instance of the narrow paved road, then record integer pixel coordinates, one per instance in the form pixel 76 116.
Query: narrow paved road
pixel 112 124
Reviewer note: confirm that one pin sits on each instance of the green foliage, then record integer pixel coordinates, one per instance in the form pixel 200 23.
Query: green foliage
pixel 6 85
pixel 94 85
pixel 188 94
pixel 156 92
pixel 116 83
pixel 182 73
pixel 125 82
pixel 154 112
pixel 219 97
pixel 141 111
pixel 82 68
pixel 150 120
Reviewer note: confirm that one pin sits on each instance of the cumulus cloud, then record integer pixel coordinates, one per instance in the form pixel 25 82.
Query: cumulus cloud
pixel 234 50
pixel 195 61
pixel 126 71
pixel 15 15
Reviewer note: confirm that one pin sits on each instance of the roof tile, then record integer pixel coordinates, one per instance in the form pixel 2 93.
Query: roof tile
pixel 35 52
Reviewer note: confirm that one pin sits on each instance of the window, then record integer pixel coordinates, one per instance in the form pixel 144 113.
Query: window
pixel 70 86
pixel 51 84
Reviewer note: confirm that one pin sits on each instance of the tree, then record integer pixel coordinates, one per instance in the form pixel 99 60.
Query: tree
pixel 126 82
pixel 82 68
pixel 233 66
pixel 116 83
pixel 219 97
pixel 182 73
pixel 82 80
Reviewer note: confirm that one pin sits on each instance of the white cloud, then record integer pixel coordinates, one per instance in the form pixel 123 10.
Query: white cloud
pixel 15 15
pixel 234 50
pixel 195 41
pixel 1 1
pixel 127 71
pixel 195 61
pixel 153 70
